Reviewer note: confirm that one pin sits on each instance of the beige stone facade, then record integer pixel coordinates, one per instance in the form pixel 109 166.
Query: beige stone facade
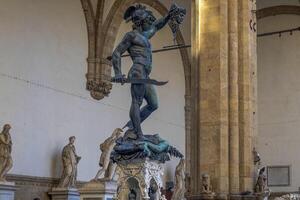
pixel 224 59
pixel 220 85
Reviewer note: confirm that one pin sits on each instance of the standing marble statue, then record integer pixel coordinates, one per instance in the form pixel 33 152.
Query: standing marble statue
pixel 70 161
pixel 206 185
pixel 261 182
pixel 6 162
pixel 107 166
pixel 179 189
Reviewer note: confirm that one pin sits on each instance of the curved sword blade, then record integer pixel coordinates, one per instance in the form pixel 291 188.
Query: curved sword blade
pixel 142 81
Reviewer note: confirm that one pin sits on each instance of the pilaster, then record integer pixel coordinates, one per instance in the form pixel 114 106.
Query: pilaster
pixel 224 57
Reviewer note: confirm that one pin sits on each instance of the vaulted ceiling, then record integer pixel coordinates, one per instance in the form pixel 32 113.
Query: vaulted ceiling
pixel 270 3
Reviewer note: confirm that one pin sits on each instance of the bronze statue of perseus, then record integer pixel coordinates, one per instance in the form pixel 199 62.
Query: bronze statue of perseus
pixel 137 44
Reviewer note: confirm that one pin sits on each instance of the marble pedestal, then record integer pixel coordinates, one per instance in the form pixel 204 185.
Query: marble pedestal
pixel 141 176
pixel 7 190
pixel 262 196
pixel 207 196
pixel 98 190
pixel 64 194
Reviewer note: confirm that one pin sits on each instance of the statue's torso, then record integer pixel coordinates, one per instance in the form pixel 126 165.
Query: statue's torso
pixel 70 154
pixel 4 148
pixel 140 51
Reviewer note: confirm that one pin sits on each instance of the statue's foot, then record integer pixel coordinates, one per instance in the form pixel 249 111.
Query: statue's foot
pixel 3 180
pixel 129 125
pixel 130 134
pixel 94 180
pixel 141 137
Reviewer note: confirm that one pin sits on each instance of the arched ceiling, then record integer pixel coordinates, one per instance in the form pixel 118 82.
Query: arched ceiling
pixel 270 3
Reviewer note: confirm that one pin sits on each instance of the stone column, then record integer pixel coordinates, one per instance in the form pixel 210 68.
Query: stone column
pixel 247 88
pixel 224 60
pixel 233 97
pixel 210 56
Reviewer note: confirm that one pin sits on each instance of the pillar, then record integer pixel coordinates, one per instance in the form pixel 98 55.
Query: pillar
pixel 224 60
pixel 233 97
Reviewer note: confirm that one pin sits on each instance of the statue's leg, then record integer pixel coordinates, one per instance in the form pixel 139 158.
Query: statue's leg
pixel 2 168
pixel 111 170
pixel 99 173
pixel 137 94
pixel 103 168
pixel 7 166
pixel 66 177
pixel 152 104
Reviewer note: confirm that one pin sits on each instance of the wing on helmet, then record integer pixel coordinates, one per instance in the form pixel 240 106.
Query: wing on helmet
pixel 129 12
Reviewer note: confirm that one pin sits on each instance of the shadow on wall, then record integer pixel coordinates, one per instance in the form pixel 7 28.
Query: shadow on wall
pixel 56 164
pixel 168 173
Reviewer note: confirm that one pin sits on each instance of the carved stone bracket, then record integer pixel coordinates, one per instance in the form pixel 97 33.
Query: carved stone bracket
pixel 98 69
pixel 99 89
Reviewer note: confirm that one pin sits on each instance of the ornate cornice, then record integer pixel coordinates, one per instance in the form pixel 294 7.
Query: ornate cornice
pixel 35 180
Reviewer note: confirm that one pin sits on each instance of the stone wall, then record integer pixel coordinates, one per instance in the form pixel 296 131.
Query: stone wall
pixel 43 51
pixel 278 96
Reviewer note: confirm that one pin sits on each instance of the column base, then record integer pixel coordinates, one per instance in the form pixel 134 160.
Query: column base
pixel 262 196
pixel 222 196
pixel 64 194
pixel 7 190
pixel 242 197
pixel 202 196
pixel 101 189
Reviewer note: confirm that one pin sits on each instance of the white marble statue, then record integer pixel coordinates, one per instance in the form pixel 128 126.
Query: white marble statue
pixel 107 167
pixel 261 182
pixel 6 162
pixel 70 161
pixel 206 185
pixel 179 188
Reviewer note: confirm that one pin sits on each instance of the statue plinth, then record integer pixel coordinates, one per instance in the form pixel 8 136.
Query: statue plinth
pixel 141 178
pixel 100 189
pixel 263 195
pixel 207 196
pixel 64 194
pixel 7 190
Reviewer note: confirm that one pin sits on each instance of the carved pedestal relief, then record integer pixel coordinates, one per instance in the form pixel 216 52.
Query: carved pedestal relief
pixel 140 180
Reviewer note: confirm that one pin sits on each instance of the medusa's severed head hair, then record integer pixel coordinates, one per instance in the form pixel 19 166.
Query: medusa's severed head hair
pixel 139 15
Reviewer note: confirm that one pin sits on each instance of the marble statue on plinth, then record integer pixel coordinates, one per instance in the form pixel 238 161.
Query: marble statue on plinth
pixel 206 188
pixel 107 166
pixel 70 161
pixel 103 188
pixel 261 182
pixel 206 185
pixel 138 156
pixel 261 191
pixel 179 189
pixel 6 162
pixel 66 189
pixel 7 189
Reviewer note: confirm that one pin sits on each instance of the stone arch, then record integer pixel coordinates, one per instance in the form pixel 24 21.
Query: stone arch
pixel 110 29
pixel 278 10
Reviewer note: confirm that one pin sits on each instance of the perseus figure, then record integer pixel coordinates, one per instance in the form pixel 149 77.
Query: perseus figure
pixel 137 44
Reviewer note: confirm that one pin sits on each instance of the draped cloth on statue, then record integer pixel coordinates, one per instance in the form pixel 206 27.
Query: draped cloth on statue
pixel 5 154
pixel 70 161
